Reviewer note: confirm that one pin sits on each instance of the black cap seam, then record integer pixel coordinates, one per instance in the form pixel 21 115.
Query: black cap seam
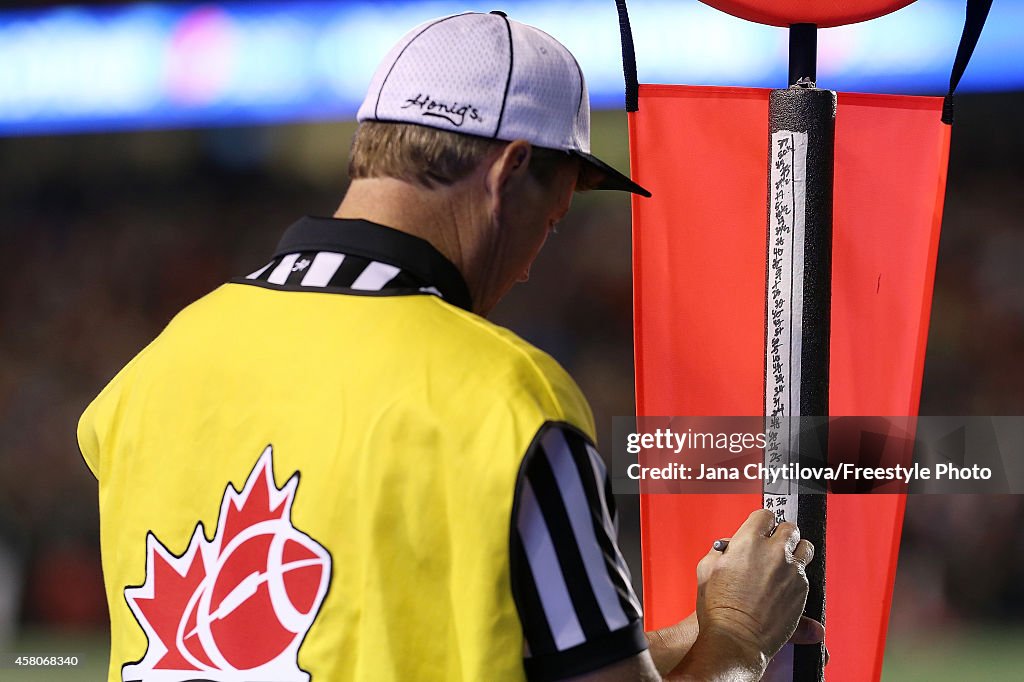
pixel 508 80
pixel 380 92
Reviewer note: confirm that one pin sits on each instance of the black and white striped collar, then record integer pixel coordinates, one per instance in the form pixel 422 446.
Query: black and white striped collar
pixel 360 257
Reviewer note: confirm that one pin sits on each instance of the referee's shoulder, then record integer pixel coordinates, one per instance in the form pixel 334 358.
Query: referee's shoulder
pixel 478 340
pixel 512 363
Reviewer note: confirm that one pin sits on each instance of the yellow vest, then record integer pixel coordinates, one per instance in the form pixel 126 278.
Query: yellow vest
pixel 350 462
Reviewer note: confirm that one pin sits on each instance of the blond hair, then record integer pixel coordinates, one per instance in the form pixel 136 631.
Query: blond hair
pixel 430 157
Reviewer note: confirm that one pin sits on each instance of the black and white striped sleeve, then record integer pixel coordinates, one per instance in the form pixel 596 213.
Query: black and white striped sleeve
pixel 569 580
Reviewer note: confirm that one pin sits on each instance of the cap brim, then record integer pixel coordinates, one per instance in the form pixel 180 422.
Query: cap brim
pixel 611 178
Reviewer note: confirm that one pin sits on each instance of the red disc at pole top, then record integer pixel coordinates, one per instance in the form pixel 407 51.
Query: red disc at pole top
pixel 823 13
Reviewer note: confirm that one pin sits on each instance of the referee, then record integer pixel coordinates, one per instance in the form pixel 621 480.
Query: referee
pixel 336 469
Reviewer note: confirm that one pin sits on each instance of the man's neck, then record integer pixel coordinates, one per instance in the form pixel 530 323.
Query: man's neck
pixel 442 217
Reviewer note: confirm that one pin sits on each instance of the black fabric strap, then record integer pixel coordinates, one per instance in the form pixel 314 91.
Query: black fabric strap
pixel 977 13
pixel 629 57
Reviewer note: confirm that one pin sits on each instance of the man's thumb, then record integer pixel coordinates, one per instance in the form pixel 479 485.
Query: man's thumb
pixel 808 631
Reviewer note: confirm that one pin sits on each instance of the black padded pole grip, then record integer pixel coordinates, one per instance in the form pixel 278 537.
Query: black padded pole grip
pixel 802 127
pixel 813 111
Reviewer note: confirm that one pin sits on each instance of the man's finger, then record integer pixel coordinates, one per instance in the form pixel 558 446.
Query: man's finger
pixel 808 631
pixel 788 533
pixel 761 522
pixel 803 553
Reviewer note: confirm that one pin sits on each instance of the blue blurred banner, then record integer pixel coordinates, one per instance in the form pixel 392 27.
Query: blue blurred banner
pixel 155 65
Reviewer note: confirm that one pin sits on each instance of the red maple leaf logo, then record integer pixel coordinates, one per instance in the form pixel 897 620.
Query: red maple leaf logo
pixel 240 603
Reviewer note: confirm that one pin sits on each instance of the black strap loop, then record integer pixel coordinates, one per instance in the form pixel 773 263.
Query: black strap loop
pixel 977 13
pixel 629 58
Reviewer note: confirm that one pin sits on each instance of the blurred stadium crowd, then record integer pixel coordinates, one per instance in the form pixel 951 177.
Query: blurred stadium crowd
pixel 107 237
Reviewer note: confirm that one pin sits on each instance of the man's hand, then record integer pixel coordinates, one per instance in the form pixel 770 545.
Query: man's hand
pixel 750 601
pixel 753 594
pixel 670 645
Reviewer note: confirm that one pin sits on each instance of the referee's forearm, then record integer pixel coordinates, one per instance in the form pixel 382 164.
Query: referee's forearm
pixel 718 656
pixel 668 646
pixel 680 653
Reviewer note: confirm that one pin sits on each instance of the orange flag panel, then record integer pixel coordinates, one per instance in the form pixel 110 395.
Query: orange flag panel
pixel 699 295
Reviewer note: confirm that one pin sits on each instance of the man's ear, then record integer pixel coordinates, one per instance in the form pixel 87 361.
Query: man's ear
pixel 510 166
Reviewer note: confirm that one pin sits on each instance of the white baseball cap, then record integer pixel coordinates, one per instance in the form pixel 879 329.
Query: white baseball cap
pixel 489 76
